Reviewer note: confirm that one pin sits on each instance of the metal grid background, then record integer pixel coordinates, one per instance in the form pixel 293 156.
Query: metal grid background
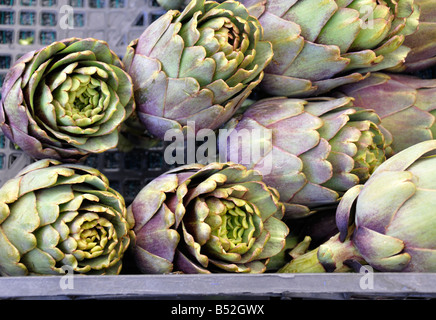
pixel 27 25
pixel 11 160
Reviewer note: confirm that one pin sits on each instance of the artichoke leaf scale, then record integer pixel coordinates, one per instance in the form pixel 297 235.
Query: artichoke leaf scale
pixel 22 221
pixel 41 262
pixel 345 22
pixel 38 58
pixel 69 62
pixel 99 48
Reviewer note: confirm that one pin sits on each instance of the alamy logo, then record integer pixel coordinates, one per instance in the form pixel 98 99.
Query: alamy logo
pixel 367 17
pixel 66 20
pixel 66 282
pixel 204 146
pixel 367 280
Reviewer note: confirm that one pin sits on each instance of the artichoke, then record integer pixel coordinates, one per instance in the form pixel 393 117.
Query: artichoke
pixel 201 219
pixel 422 42
pixel 405 104
pixel 54 215
pixel 319 45
pixel 134 135
pixel 196 66
pixel 66 100
pixel 392 216
pixel 311 150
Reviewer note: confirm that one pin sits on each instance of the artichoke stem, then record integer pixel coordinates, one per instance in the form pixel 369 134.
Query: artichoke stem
pixel 328 257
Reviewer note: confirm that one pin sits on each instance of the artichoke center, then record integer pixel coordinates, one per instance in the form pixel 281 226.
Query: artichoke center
pixel 234 225
pixel 92 234
pixel 228 38
pixel 237 226
pixel 86 98
pixel 370 153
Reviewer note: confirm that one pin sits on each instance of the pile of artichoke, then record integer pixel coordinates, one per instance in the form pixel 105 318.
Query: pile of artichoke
pixel 320 115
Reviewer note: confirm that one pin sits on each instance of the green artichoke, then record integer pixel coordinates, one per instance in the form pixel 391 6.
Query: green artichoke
pixel 201 219
pixel 66 100
pixel 312 150
pixel 196 66
pixel 322 44
pixel 54 215
pixel 405 104
pixel 393 217
pixel 422 42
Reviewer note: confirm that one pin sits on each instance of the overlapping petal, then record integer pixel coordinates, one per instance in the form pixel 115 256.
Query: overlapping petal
pixel 422 43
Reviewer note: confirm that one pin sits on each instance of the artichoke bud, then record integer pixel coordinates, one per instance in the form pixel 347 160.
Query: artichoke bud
pixel 66 100
pixel 55 216
pixel 317 148
pixel 198 65
pixel 321 45
pixel 201 219
pixel 388 222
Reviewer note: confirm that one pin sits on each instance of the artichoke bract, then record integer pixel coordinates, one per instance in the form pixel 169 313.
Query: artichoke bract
pixel 66 100
pixel 312 151
pixel 405 104
pixel 198 65
pixel 201 219
pixel 319 45
pixel 422 43
pixel 56 218
pixel 392 216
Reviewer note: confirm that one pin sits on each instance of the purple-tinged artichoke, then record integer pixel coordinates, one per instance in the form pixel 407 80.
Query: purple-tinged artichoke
pixel 388 223
pixel 312 151
pixel 66 100
pixel 320 45
pixel 423 42
pixel 196 66
pixel 58 217
pixel 201 219
pixel 405 104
